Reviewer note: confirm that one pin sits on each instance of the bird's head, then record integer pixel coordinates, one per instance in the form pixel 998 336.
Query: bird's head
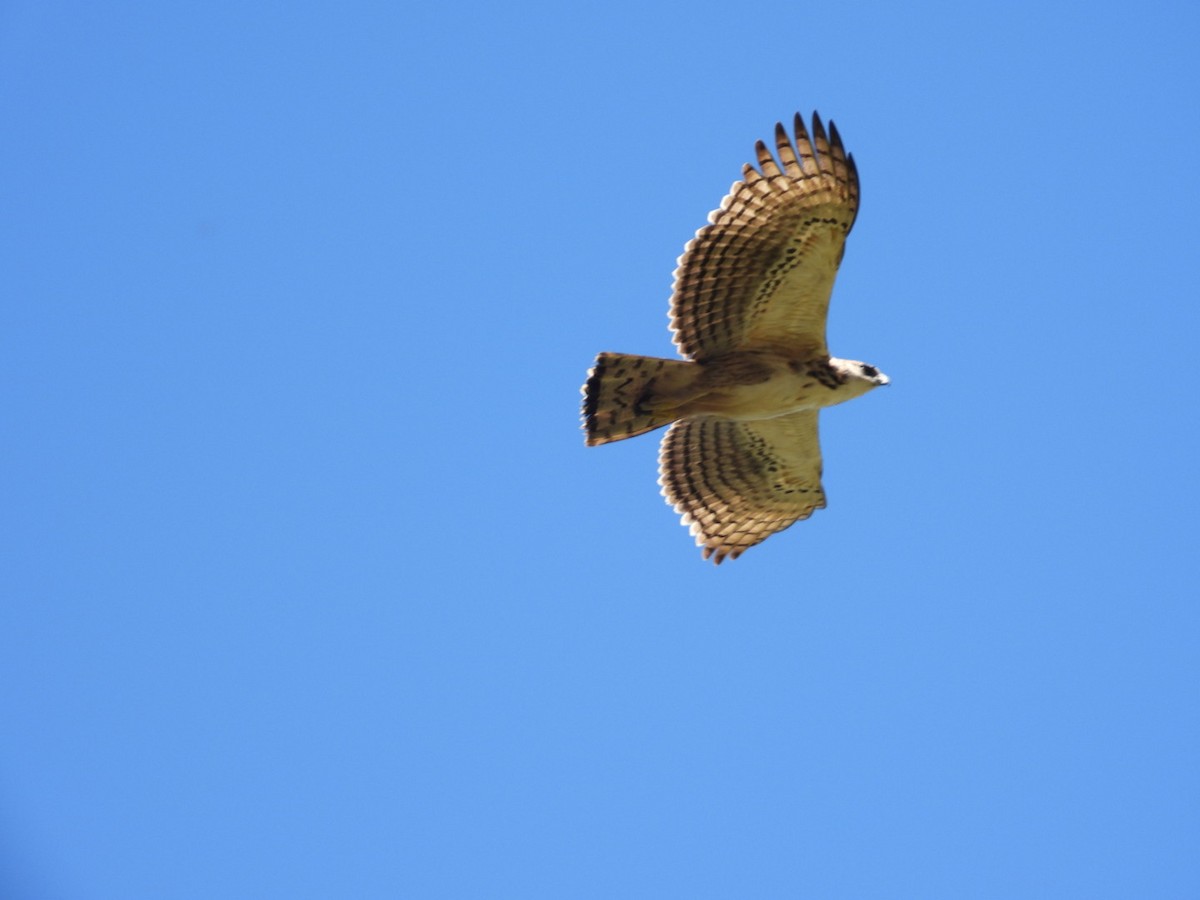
pixel 862 376
pixel 862 372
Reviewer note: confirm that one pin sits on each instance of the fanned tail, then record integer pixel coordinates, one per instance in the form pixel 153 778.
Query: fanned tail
pixel 628 395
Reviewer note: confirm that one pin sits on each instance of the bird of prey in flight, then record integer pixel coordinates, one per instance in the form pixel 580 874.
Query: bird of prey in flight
pixel 741 459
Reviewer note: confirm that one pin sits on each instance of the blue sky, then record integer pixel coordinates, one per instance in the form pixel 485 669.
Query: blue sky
pixel 311 588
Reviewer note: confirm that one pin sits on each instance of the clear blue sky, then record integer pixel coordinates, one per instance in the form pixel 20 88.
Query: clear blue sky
pixel 311 588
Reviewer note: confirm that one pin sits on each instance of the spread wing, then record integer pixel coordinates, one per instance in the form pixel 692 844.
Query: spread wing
pixel 760 275
pixel 737 483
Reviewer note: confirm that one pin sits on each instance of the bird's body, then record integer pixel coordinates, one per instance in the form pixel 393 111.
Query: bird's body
pixel 742 459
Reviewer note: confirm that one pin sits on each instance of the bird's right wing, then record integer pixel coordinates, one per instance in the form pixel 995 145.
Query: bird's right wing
pixel 759 276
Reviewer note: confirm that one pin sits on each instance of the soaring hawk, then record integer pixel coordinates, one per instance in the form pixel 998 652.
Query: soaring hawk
pixel 741 459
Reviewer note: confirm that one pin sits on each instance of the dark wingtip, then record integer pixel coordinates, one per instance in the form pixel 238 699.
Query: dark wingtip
pixel 818 129
pixel 719 554
pixel 799 128
pixel 835 139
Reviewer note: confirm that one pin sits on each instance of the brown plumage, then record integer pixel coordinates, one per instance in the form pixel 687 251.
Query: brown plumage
pixel 741 460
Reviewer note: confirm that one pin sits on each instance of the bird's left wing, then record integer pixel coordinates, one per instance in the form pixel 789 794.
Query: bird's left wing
pixel 736 483
pixel 760 274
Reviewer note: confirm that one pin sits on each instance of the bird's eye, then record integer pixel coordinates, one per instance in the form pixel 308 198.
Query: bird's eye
pixel 870 371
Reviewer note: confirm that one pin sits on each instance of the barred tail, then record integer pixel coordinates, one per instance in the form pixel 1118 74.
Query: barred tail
pixel 629 395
